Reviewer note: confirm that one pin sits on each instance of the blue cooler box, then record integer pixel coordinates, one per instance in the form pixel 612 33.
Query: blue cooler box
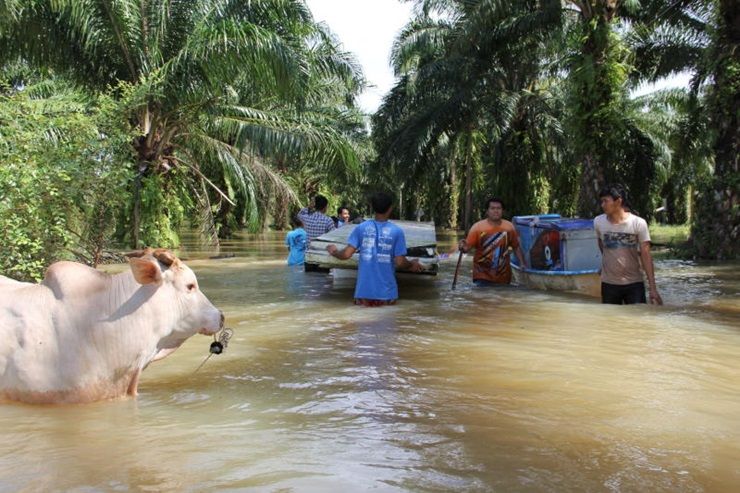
pixel 558 244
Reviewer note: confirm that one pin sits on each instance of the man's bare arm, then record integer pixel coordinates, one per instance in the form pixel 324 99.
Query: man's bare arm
pixel 413 265
pixel 342 254
pixel 520 256
pixel 463 246
pixel 647 264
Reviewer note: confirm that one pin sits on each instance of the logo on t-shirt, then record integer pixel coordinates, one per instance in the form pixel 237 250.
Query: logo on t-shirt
pixel 614 240
pixel 492 249
pixel 378 243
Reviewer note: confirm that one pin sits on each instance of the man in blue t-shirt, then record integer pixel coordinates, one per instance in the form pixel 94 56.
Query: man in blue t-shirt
pixel 296 241
pixel 382 247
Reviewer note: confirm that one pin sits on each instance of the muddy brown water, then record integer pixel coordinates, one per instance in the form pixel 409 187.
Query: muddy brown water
pixel 467 390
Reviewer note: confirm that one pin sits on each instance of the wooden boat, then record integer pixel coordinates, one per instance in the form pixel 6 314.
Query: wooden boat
pixel 421 243
pixel 562 254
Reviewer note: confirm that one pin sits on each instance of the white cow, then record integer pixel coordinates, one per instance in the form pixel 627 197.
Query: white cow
pixel 82 335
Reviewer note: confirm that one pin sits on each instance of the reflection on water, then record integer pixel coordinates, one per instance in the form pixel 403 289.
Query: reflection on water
pixel 466 390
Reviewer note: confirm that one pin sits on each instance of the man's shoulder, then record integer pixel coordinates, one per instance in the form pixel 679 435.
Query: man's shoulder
pixel 479 225
pixel 360 228
pixel 396 227
pixel 601 220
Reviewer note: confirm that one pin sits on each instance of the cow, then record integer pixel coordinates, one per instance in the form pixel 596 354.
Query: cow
pixel 82 335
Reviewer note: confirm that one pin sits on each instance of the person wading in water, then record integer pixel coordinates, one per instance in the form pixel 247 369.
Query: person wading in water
pixel 624 241
pixel 382 247
pixel 493 238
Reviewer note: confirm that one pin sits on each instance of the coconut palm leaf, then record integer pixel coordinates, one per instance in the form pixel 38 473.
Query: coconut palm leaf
pixel 259 77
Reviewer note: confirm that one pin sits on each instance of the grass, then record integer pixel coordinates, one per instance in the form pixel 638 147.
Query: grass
pixel 669 240
pixel 669 234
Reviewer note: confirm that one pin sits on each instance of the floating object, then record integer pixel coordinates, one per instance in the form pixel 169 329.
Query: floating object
pixel 562 254
pixel 218 345
pixel 421 244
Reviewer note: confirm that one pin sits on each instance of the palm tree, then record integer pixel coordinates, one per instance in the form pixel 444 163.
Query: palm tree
pixel 703 37
pixel 463 67
pixel 717 233
pixel 598 66
pixel 214 88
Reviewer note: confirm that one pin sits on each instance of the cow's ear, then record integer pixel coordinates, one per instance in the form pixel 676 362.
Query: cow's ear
pixel 145 271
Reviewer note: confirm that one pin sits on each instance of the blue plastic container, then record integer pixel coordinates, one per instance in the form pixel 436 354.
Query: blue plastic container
pixel 553 243
pixel 525 226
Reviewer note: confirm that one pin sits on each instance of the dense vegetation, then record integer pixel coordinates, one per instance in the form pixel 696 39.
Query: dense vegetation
pixel 530 101
pixel 123 121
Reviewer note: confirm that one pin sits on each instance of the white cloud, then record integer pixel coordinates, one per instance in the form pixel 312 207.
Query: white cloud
pixel 367 28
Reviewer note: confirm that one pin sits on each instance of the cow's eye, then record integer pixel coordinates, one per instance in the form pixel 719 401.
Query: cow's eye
pixel 191 287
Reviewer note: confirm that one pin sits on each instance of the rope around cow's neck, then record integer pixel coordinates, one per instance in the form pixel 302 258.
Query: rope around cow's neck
pixel 218 345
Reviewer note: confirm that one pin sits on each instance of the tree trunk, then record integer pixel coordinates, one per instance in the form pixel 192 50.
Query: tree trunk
pixel 716 224
pixel 137 207
pixel 468 185
pixel 594 98
pixel 400 203
pixel 454 196
pixel 592 179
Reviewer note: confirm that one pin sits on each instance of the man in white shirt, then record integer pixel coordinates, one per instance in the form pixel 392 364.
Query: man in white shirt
pixel 624 241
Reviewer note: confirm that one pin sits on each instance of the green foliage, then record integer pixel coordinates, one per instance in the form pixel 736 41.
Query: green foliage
pixel 32 216
pixel 714 229
pixel 549 89
pixel 60 179
pixel 163 211
pixel 229 118
pixel 217 93
pixel 470 68
pixel 669 235
pixel 716 224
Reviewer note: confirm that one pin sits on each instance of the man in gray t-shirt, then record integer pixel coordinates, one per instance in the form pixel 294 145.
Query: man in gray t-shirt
pixel 624 241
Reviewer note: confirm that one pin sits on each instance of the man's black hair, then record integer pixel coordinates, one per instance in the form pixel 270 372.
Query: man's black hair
pixel 320 202
pixel 615 191
pixel 381 202
pixel 494 199
pixel 341 208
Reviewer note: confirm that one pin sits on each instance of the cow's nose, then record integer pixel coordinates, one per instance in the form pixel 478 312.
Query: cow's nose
pixel 222 321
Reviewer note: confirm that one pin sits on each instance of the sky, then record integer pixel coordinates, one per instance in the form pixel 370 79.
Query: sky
pixel 367 28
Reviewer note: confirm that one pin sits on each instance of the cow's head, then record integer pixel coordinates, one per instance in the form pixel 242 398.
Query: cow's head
pixel 177 288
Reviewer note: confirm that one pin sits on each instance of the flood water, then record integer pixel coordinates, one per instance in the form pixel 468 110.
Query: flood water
pixel 468 390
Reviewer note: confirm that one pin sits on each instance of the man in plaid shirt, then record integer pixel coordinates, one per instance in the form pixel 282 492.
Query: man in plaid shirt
pixel 316 222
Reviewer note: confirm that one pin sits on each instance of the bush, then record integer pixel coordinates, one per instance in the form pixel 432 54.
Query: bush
pixel 63 174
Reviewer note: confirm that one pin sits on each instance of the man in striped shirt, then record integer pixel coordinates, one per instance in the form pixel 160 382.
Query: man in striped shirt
pixel 316 222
